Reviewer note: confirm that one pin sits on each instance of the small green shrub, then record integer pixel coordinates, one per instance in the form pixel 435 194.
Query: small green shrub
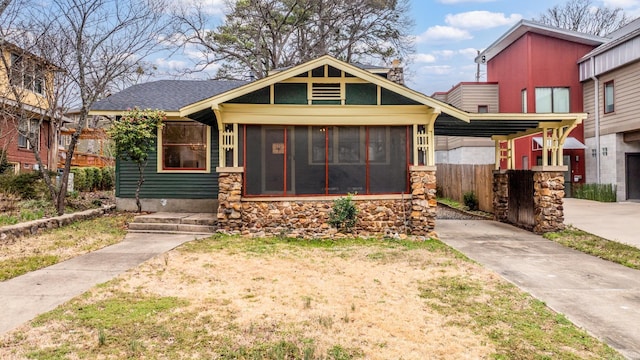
pixel 4 163
pixel 24 185
pixel 108 175
pixel 597 192
pixel 343 215
pixel 97 178
pixel 470 200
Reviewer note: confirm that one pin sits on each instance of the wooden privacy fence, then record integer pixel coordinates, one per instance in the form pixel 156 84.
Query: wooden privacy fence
pixel 453 180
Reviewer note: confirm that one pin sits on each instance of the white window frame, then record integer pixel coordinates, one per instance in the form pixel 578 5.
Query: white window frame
pixel 25 133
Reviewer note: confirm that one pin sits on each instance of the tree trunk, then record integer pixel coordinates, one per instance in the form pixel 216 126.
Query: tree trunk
pixel 140 182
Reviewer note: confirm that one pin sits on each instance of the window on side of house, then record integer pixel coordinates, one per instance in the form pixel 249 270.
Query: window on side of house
pixel 523 99
pixel 184 146
pixel 26 74
pixel 29 129
pixel 482 109
pixel 326 160
pixel 552 100
pixel 609 101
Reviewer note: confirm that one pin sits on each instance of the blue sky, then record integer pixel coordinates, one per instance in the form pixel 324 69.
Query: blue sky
pixel 448 33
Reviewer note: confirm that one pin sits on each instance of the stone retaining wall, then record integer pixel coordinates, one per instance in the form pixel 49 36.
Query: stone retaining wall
pixel 501 196
pixel 12 232
pixel 548 201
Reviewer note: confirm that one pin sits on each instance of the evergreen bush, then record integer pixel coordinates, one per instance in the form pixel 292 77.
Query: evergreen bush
pixel 470 200
pixel 343 215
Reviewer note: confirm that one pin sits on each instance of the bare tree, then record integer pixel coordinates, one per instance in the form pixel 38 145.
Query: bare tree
pixel 96 44
pixel 261 35
pixel 584 16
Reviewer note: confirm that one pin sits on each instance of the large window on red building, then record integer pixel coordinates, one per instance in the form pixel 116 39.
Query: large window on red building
pixel 552 100
pixel 326 160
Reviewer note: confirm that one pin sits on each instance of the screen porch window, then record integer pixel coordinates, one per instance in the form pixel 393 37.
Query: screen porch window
pixel 552 100
pixel 326 160
pixel 184 145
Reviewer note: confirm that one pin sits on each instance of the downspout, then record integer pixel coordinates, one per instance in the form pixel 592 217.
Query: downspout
pixel 596 102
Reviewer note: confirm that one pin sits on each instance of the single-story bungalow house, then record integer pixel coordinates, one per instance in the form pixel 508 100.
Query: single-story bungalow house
pixel 271 155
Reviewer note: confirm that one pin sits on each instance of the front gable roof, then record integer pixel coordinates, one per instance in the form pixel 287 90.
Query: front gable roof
pixel 364 74
pixel 527 26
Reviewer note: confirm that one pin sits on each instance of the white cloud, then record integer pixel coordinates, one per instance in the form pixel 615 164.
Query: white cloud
pixel 436 70
pixel 481 19
pixel 445 54
pixel 443 34
pixel 463 1
pixel 625 4
pixel 215 8
pixel 423 58
pixel 470 53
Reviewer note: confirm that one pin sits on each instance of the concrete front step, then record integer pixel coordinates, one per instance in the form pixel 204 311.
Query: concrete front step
pixel 172 227
pixel 206 219
pixel 169 232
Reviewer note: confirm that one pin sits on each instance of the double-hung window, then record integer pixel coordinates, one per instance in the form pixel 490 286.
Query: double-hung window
pixel 185 145
pixel 29 129
pixel 609 101
pixel 25 73
pixel 552 100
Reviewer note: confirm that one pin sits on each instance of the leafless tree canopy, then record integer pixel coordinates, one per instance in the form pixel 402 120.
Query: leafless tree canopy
pixel 261 35
pixel 94 44
pixel 584 16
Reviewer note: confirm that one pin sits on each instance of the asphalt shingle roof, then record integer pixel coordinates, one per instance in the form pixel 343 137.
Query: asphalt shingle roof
pixel 167 95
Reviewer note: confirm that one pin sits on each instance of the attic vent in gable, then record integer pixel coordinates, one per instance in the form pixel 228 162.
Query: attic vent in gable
pixel 326 92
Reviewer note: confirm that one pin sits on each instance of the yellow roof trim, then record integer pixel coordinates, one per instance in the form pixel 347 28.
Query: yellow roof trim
pixel 214 101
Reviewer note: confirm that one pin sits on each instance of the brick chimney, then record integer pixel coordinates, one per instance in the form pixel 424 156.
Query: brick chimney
pixel 396 73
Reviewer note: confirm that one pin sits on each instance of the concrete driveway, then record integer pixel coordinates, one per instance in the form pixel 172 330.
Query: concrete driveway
pixel 612 221
pixel 597 295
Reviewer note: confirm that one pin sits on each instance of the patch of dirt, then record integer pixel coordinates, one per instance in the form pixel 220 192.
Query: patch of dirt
pixel 363 298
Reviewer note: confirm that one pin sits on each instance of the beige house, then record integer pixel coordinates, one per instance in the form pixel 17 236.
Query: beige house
pixel 611 79
pixel 473 97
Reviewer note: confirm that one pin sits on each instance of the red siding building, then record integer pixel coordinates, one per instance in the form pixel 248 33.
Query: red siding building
pixel 536 67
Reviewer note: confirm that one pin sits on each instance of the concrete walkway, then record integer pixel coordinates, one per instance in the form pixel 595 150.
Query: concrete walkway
pixel 597 295
pixel 612 221
pixel 26 296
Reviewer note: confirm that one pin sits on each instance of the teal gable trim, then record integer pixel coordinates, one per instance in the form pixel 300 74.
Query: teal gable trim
pixel 168 185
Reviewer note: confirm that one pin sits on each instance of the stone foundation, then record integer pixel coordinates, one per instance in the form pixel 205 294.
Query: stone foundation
pixel 548 201
pixel 308 218
pixel 501 196
pixel 229 205
pixel 388 216
pixel 423 200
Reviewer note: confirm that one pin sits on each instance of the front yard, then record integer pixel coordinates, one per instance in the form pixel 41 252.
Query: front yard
pixel 237 298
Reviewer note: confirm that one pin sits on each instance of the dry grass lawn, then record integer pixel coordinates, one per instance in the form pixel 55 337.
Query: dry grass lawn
pixel 236 298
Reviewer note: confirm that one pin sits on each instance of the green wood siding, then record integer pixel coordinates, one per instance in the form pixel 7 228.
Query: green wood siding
pixel 261 96
pixel 168 185
pixel 361 94
pixel 391 98
pixel 290 94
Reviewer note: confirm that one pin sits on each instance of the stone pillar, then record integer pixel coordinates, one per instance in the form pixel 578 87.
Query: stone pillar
pixel 548 198
pixel 501 195
pixel 422 219
pixel 229 205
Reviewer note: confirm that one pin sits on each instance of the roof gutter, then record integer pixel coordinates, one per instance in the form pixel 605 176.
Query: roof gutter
pixel 596 112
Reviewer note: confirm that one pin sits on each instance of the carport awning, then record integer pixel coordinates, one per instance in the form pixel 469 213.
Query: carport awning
pixel 511 125
pixel 570 143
